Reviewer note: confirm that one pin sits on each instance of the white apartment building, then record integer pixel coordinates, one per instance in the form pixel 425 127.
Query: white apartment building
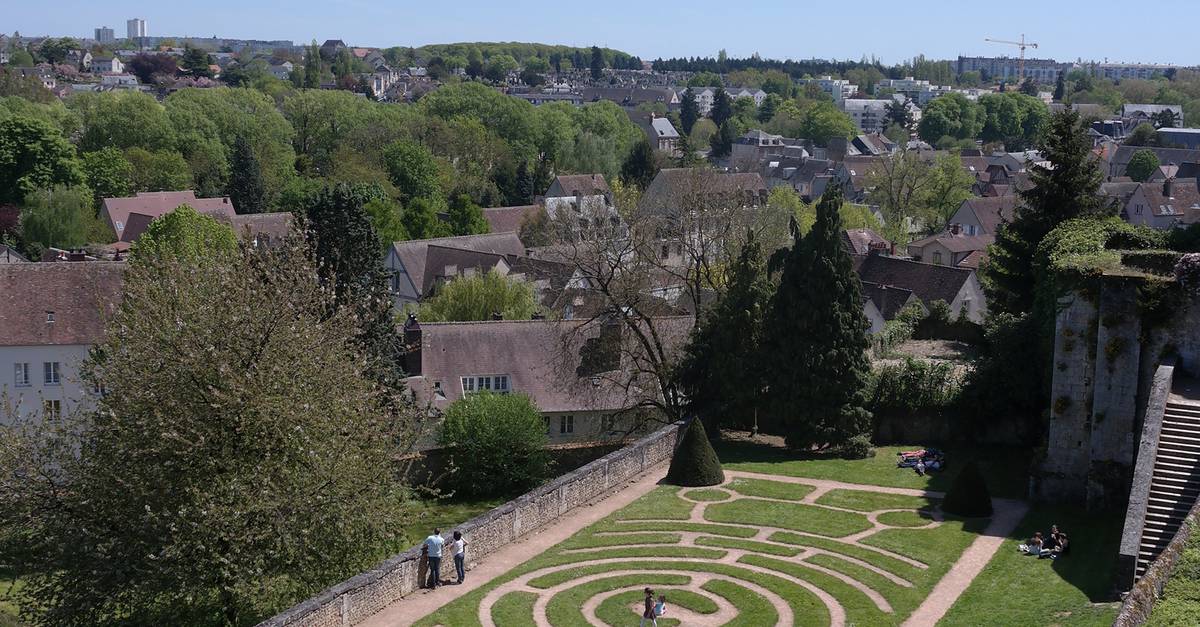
pixel 838 88
pixel 135 28
pixel 868 114
pixel 51 316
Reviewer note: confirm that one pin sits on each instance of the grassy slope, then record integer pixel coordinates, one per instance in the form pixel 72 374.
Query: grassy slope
pixel 1015 589
pixel 1180 604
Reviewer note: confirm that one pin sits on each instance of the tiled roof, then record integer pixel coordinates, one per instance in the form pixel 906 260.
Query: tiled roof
pixel 540 358
pixel 82 295
pixel 672 184
pixel 974 260
pixel 858 241
pixel 889 300
pixel 155 204
pixel 442 262
pixel 928 281
pixel 570 184
pixel 507 219
pixel 956 243
pixel 413 253
pixel 1184 195
pixel 992 211
pixel 274 225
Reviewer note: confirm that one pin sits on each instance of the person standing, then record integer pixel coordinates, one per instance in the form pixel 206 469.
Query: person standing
pixel 433 550
pixel 458 549
pixel 648 610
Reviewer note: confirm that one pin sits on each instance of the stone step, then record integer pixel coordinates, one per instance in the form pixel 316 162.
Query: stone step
pixel 1185 442
pixel 1173 429
pixel 1177 457
pixel 1173 482
pixel 1181 421
pixel 1173 493
pixel 1171 463
pixel 1183 407
pixel 1176 473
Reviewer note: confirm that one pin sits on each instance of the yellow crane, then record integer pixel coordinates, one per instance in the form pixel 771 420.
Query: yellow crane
pixel 1020 44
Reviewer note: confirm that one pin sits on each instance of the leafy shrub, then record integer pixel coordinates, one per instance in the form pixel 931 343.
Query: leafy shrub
pixel 695 462
pixel 913 385
pixel 939 311
pixel 968 495
pixel 1187 271
pixel 497 444
pixel 897 330
pixel 857 447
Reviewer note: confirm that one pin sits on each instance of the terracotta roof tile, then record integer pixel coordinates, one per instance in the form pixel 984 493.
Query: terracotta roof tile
pixel 82 295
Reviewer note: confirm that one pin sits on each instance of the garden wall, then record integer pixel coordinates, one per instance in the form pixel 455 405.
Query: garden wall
pixel 357 598
pixel 432 468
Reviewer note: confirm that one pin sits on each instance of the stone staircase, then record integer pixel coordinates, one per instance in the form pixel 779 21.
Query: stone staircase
pixel 1176 482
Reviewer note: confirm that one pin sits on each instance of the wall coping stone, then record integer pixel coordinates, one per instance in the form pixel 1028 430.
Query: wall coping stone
pixel 340 597
pixel 1143 474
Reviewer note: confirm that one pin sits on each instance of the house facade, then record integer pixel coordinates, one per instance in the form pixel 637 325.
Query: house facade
pixel 958 287
pixel 51 316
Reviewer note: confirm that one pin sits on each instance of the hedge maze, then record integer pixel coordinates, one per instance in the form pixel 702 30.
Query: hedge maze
pixel 756 550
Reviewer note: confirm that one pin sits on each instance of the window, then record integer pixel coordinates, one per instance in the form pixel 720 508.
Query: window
pixel 22 376
pixel 52 409
pixel 50 373
pixel 49 317
pixel 489 382
pixel 566 424
pixel 666 251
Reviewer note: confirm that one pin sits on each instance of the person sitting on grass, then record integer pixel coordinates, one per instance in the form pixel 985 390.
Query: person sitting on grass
pixel 1061 548
pixel 1034 546
pixel 661 607
pixel 1051 540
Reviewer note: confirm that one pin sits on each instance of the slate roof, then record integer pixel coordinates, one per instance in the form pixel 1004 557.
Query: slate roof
pixel 1184 195
pixel 663 128
pixel 275 226
pixel 673 183
pixel 889 300
pixel 414 253
pixel 992 211
pixel 585 184
pixel 1121 156
pixel 82 294
pixel 156 204
pixel 956 243
pixel 8 255
pixel 928 281
pixel 539 357
pixel 974 260
pixel 507 219
pixel 858 241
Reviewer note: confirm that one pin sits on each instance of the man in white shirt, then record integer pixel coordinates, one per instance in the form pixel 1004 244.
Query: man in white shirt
pixel 433 550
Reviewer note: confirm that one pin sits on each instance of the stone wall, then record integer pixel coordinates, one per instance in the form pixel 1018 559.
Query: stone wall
pixel 357 598
pixel 1146 592
pixel 1143 476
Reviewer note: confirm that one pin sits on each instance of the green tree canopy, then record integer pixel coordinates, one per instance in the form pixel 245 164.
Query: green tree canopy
pixel 108 173
pixel 61 217
pixel 158 171
pixel 497 444
pixel 689 111
pixel 465 217
pixel 246 187
pixel 185 234
pixel 478 297
pixel 33 155
pixel 386 219
pixel 250 406
pixel 640 166
pixel 815 349
pixel 949 115
pixel 823 121
pixel 413 170
pixel 1142 164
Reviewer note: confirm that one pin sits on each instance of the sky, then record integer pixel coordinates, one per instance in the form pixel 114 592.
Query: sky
pixel 893 31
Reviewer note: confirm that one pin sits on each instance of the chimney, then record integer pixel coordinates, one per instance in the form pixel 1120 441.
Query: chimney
pixel 955 229
pixel 1168 184
pixel 412 346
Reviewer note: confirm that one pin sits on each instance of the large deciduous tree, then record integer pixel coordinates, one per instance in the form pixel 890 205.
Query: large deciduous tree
pixel 815 339
pixel 497 444
pixel 1142 164
pixel 108 173
pixel 60 217
pixel 412 170
pixel 184 234
pixel 34 155
pixel 237 461
pixel 478 298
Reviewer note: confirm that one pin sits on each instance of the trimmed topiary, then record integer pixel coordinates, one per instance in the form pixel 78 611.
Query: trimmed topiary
pixel 857 447
pixel 968 495
pixel 695 463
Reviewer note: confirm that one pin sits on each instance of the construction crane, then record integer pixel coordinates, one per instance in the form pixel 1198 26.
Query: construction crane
pixel 1020 44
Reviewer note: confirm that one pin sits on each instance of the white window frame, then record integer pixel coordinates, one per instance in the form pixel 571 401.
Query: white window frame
pixel 52 409
pixel 21 374
pixel 566 424
pixel 497 383
pixel 51 373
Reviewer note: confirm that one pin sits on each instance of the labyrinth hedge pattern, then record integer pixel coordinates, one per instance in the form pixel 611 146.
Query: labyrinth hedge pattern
pixel 756 550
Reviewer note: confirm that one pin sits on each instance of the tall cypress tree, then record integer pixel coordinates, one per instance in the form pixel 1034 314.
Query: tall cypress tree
pixel 689 111
pixel 246 188
pixel 347 249
pixel 312 66
pixel 720 372
pixel 815 339
pixel 722 107
pixel 1060 87
pixel 524 185
pixel 597 63
pixel 639 167
pixel 1069 188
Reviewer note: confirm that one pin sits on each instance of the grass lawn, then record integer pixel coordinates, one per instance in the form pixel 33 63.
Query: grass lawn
pixel 618 610
pixel 793 516
pixel 1006 468
pixel 770 489
pixel 863 501
pixel 1180 604
pixel 1016 589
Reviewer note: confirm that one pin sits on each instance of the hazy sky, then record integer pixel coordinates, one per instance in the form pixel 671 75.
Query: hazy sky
pixel 893 31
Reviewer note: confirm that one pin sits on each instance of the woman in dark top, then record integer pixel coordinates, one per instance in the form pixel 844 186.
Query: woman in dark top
pixel 648 611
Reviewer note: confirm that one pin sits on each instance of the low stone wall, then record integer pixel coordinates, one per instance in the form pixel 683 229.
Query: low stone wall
pixel 1136 609
pixel 357 598
pixel 1143 475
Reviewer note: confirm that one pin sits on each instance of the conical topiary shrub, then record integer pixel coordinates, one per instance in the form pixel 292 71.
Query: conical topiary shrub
pixel 968 495
pixel 695 463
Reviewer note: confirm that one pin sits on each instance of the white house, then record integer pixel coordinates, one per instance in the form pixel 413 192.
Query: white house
pixel 868 114
pixel 958 287
pixel 107 65
pixel 50 316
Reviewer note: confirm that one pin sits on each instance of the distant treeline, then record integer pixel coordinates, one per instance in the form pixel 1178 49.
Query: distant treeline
pixel 920 67
pixel 565 57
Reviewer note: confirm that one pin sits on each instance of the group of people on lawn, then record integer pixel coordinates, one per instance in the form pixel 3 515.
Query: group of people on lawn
pixel 1052 546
